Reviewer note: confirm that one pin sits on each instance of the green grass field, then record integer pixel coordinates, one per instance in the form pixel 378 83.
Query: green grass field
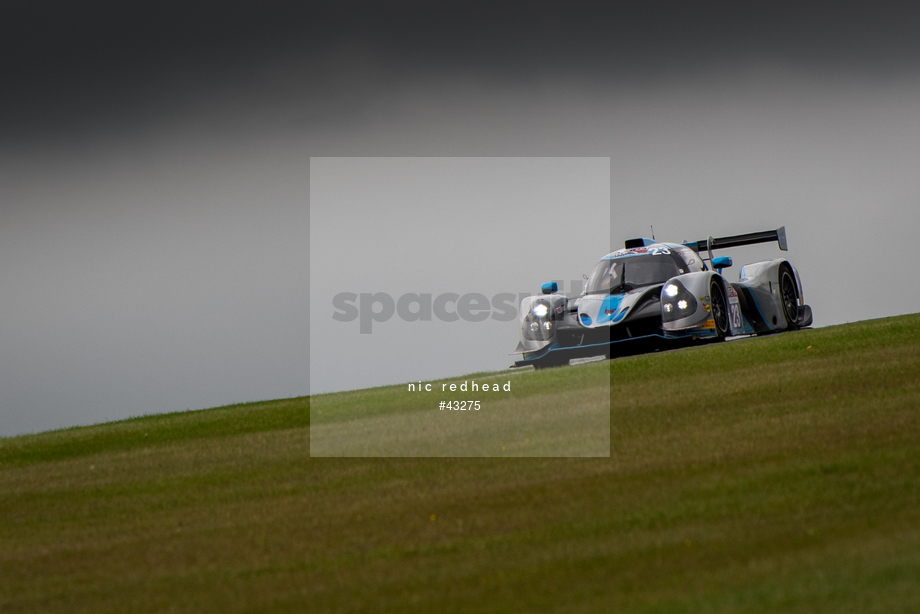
pixel 562 413
pixel 771 474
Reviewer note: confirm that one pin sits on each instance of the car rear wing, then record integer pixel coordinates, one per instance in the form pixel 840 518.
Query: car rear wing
pixel 751 238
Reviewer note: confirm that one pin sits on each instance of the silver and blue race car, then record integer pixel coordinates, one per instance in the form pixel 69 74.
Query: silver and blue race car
pixel 652 296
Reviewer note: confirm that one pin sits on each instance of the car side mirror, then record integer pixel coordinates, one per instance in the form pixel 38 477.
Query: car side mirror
pixel 550 287
pixel 722 262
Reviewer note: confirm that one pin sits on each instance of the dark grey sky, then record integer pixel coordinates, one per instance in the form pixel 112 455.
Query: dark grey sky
pixel 153 186
pixel 78 68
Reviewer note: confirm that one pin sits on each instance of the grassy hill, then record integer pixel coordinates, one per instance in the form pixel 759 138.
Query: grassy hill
pixel 771 474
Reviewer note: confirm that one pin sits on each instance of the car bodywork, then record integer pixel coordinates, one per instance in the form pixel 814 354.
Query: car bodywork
pixel 653 295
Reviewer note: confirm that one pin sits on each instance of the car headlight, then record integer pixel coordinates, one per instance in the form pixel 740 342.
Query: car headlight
pixel 538 330
pixel 676 302
pixel 539 325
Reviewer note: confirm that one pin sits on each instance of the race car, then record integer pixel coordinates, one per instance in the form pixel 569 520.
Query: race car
pixel 651 296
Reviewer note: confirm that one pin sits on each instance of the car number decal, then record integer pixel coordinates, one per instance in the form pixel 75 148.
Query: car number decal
pixel 734 309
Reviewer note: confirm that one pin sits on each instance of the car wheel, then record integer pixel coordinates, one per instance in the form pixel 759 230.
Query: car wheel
pixel 719 308
pixel 789 296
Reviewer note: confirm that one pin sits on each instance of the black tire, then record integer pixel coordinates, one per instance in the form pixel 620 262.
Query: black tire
pixel 718 308
pixel 789 296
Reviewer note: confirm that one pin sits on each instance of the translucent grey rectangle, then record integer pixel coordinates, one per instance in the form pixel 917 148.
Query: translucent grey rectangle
pixel 417 269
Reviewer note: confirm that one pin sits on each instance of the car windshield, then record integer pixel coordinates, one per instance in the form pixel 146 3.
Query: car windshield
pixel 632 271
